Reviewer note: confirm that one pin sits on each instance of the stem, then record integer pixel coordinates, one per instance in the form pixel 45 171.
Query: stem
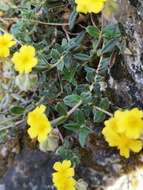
pixel 74 108
pixel 8 120
pixel 96 75
pixel 55 64
pixel 98 68
pixel 12 125
pixel 65 117
pixel 104 111
pixel 37 21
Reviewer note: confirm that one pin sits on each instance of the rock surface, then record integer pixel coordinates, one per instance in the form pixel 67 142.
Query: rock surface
pixel 127 75
pixel 31 170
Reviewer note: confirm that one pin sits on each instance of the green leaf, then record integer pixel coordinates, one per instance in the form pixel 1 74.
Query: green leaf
pixel 75 43
pixel 55 54
pixel 83 134
pixel 90 74
pixel 111 31
pixel 60 65
pixel 17 110
pixel 81 56
pixel 68 60
pixel 72 127
pixel 67 153
pixel 80 117
pixel 104 104
pixel 98 116
pixel 93 31
pixel 3 136
pixel 72 100
pixel 61 108
pixel 69 75
pixel 109 46
pixel 86 97
pixel 104 65
pixel 72 19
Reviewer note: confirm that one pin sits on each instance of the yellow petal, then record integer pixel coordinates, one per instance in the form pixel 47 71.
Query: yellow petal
pixel 4 52
pixel 32 131
pixel 125 152
pixel 66 164
pixel 89 6
pixel 39 123
pixel 42 108
pixel 136 145
pixel 57 166
pixel 25 59
pixel 42 137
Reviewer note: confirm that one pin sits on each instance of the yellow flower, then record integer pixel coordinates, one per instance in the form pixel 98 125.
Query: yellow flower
pixel 88 6
pixel 115 139
pixel 130 122
pixel 40 126
pixel 125 145
pixel 6 42
pixel 65 183
pixel 123 131
pixel 25 59
pixel 64 167
pixel 63 177
pixel 109 132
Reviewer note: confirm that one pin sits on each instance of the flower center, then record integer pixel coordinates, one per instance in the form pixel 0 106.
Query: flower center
pixel 25 59
pixel 3 43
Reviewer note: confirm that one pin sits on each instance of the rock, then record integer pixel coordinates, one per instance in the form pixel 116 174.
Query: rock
pixel 2 187
pixel 99 163
pixel 4 152
pixel 32 170
pixel 130 181
pixel 126 81
pixel 102 166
